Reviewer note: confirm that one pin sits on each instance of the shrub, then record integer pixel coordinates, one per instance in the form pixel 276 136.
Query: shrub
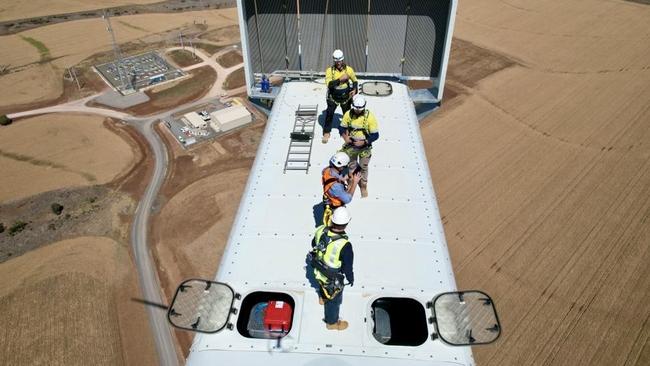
pixel 2 227
pixel 17 227
pixel 57 208
pixel 4 120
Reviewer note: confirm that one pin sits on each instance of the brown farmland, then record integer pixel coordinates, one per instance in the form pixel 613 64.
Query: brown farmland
pixel 55 151
pixel 542 172
pixel 80 310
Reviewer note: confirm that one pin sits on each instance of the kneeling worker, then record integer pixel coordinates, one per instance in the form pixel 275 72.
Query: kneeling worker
pixel 332 259
pixel 338 184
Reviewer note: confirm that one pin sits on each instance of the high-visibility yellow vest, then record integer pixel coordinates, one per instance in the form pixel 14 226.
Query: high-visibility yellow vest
pixel 331 256
pixel 332 73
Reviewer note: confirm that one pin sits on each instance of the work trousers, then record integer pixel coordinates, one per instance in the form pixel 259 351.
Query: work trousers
pixel 331 107
pixel 360 157
pixel 332 308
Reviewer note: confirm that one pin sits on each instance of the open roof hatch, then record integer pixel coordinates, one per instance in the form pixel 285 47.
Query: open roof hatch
pixel 202 306
pixel 465 318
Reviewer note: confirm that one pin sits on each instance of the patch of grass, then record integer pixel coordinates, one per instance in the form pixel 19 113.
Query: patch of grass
pixel 57 208
pixel 183 58
pixel 34 161
pixel 207 47
pixel 230 59
pixel 132 26
pixel 42 49
pixel 199 81
pixel 185 91
pixel 4 120
pixel 17 227
pixel 30 160
pixel 236 79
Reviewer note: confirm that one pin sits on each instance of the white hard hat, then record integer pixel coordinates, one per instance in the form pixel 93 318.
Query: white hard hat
pixel 337 55
pixel 341 216
pixel 358 102
pixel 340 159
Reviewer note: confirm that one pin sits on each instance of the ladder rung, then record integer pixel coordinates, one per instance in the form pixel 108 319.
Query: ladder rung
pixel 302 138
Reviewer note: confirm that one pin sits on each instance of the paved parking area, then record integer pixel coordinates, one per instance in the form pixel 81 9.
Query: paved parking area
pixel 140 70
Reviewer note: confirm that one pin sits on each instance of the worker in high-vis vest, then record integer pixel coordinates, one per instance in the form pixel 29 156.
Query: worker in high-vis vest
pixel 359 129
pixel 338 184
pixel 332 258
pixel 342 85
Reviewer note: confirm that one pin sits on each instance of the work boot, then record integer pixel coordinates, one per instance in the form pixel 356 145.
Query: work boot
pixel 321 300
pixel 364 190
pixel 326 137
pixel 339 325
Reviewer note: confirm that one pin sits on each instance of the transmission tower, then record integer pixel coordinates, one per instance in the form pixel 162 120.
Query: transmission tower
pixel 118 55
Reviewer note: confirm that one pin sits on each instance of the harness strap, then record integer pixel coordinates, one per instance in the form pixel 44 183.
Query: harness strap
pixel 364 127
pixel 330 180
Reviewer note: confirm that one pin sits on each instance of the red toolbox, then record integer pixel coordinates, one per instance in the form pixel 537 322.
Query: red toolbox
pixel 278 317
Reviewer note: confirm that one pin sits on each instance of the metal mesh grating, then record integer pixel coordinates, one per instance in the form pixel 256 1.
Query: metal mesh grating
pixel 388 30
pixel 466 318
pixel 349 21
pixel 386 34
pixel 202 306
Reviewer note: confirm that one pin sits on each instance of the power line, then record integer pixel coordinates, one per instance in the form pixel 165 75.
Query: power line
pixel 118 54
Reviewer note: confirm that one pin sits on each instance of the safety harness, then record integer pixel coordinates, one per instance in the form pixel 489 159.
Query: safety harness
pixel 340 95
pixel 335 277
pixel 364 126
pixel 328 181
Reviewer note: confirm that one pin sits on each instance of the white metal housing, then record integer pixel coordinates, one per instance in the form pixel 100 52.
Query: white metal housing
pixel 397 236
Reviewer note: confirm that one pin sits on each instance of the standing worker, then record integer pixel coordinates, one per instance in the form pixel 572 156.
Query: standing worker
pixel 359 130
pixel 342 85
pixel 332 259
pixel 338 184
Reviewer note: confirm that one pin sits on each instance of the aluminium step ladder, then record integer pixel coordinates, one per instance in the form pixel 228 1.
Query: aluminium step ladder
pixel 301 139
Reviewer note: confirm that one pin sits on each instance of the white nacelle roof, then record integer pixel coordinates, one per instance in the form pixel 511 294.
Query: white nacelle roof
pixel 396 233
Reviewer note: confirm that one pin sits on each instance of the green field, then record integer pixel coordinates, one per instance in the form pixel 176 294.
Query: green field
pixel 42 49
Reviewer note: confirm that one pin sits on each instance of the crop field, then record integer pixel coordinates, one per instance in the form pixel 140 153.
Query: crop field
pixel 541 165
pixel 56 151
pixel 10 10
pixel 75 310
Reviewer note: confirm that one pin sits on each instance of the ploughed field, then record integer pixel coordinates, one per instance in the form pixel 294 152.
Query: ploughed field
pixel 542 172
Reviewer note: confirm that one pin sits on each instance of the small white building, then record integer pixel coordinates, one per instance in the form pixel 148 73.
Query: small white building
pixel 215 126
pixel 195 120
pixel 231 117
